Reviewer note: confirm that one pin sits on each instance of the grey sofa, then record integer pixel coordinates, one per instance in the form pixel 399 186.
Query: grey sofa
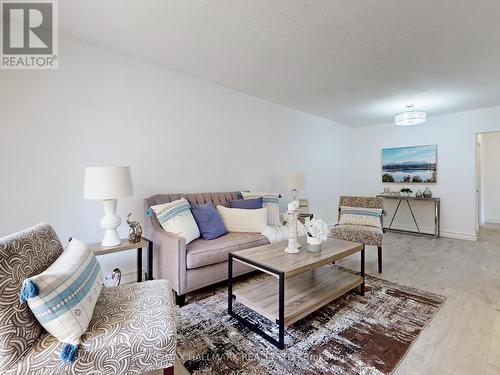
pixel 199 263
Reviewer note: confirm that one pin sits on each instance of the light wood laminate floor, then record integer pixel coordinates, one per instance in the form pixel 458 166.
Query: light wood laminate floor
pixel 464 336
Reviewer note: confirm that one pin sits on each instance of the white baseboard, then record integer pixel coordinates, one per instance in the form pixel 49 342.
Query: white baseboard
pixel 459 236
pixel 443 233
pixel 491 221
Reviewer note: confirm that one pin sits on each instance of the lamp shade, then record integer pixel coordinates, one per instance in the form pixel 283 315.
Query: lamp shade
pixel 295 181
pixel 107 183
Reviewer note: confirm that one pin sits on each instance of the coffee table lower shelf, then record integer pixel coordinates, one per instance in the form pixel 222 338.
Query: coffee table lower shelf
pixel 304 293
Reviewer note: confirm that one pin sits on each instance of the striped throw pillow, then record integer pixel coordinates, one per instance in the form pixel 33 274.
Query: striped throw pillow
pixel 270 201
pixel 360 216
pixel 62 298
pixel 176 217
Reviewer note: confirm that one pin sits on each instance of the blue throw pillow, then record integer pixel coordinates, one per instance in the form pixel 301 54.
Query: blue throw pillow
pixel 209 221
pixel 249 204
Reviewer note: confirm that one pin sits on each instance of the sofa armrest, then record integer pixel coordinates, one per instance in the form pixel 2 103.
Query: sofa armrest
pixel 170 259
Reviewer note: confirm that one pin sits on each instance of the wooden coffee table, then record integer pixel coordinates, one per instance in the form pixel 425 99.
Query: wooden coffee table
pixel 303 285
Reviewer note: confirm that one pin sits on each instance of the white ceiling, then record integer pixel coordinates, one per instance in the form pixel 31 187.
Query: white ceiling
pixel 357 62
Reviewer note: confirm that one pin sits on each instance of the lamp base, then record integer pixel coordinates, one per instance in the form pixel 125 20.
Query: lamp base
pixel 110 222
pixel 110 238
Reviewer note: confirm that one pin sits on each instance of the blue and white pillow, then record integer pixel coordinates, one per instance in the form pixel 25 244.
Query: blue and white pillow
pixel 360 216
pixel 62 298
pixel 176 217
pixel 270 201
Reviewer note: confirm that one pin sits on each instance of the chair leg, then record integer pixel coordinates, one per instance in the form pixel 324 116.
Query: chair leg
pixel 379 259
pixel 168 370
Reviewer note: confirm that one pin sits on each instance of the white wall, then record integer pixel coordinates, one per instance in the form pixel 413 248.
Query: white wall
pixel 490 177
pixel 455 136
pixel 177 133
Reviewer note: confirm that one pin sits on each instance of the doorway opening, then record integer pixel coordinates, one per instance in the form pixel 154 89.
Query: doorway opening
pixel 488 182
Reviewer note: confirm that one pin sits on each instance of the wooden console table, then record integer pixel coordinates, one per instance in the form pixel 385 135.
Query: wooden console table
pixel 437 214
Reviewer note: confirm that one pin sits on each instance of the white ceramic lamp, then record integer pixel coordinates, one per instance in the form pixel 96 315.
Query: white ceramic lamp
pixel 108 184
pixel 295 182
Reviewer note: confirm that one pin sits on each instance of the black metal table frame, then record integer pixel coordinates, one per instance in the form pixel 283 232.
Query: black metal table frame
pixel 437 220
pixel 149 273
pixel 280 343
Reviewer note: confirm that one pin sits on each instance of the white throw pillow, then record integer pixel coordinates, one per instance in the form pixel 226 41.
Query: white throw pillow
pixel 241 220
pixel 63 297
pixel 176 217
pixel 270 201
pixel 360 216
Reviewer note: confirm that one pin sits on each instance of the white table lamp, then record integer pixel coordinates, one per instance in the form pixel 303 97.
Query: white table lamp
pixel 108 184
pixel 295 182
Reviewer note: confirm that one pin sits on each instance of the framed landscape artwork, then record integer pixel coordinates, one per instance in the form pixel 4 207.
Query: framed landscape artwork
pixel 410 164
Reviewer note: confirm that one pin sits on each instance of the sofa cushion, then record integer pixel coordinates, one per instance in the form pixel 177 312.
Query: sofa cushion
pixel 242 220
pixel 370 217
pixel 63 296
pixel 249 204
pixel 209 221
pixel 201 252
pixel 176 217
pixel 270 201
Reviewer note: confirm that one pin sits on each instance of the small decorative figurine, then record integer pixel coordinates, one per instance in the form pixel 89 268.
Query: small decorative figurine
pixel 427 193
pixel 135 230
pixel 117 276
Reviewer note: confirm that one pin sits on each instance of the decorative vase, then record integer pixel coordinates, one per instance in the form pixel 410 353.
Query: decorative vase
pixel 427 193
pixel 419 194
pixel 313 244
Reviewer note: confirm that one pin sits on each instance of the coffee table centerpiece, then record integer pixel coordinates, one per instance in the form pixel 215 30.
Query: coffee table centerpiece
pixel 299 284
pixel 317 233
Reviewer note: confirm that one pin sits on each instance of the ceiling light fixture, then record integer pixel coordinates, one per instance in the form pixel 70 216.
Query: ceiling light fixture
pixel 410 117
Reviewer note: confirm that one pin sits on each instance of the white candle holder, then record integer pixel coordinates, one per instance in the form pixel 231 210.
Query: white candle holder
pixel 293 238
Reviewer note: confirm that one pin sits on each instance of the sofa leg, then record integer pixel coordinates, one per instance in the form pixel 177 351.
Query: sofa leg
pixel 168 370
pixel 379 259
pixel 180 300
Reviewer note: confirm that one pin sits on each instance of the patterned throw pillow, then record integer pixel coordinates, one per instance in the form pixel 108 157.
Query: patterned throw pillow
pixel 360 216
pixel 176 217
pixel 62 298
pixel 270 201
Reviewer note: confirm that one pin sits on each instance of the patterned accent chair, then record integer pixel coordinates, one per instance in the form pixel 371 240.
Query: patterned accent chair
pixel 132 329
pixel 359 233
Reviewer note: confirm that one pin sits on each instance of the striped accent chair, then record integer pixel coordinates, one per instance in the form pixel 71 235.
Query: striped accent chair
pixel 365 234
pixel 132 329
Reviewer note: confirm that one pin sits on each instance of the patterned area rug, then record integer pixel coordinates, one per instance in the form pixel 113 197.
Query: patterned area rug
pixel 351 335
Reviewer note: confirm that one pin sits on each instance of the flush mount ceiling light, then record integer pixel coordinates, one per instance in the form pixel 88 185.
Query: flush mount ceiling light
pixel 410 117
